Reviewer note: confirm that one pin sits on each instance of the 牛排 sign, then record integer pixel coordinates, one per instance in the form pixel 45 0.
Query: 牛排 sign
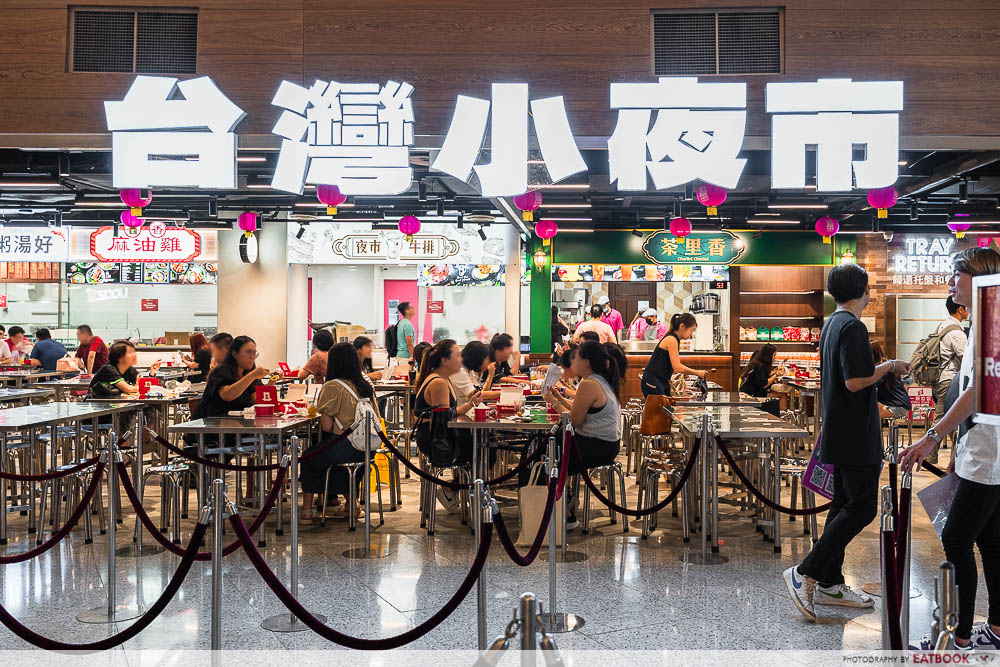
pixel 176 245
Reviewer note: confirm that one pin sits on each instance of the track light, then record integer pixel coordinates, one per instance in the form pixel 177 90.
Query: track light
pixel 914 215
pixel 482 233
pixel 461 221
pixel 421 191
pixel 440 208
pixel 963 192
pixel 302 230
pixel 636 232
pixel 887 235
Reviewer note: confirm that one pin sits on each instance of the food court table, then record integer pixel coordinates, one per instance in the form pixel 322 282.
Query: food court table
pixel 259 428
pixel 719 398
pixel 23 396
pixel 808 388
pixel 735 423
pixel 17 379
pixel 61 387
pixel 28 419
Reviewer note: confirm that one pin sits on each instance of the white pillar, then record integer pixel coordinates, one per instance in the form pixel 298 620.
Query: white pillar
pixel 297 320
pixel 512 290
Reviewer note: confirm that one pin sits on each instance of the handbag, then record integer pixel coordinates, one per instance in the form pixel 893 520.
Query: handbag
pixel 656 420
pixel 434 439
pixel 531 505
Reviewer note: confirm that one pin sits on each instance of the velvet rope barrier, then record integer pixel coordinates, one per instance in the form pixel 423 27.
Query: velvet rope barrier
pixel 894 485
pixel 322 447
pixel 890 589
pixel 32 637
pixel 201 460
pixel 151 528
pixel 760 496
pixel 649 510
pixel 536 544
pixel 902 528
pixel 930 467
pixel 456 486
pixel 74 518
pixel 328 633
pixel 55 474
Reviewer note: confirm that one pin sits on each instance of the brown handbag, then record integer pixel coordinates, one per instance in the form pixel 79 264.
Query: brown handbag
pixel 656 420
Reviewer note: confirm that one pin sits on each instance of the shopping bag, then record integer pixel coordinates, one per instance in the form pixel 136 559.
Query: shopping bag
pixel 531 505
pixel 818 477
pixel 937 498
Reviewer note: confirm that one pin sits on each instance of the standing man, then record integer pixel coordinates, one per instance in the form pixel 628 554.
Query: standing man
pixel 405 333
pixel 952 346
pixel 46 352
pixel 611 317
pixel 851 441
pixel 92 354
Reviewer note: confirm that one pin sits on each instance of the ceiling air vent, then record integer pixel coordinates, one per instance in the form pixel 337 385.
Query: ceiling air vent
pixel 144 41
pixel 725 41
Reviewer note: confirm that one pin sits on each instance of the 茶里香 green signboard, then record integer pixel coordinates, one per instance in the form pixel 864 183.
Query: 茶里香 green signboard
pixel 722 247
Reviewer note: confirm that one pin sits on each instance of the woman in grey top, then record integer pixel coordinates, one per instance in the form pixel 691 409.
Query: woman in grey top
pixel 595 412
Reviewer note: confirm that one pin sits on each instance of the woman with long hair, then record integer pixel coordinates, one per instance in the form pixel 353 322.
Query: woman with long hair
pixel 466 382
pixel 435 392
pixel 364 347
pixel 666 357
pixel 595 413
pixel 336 403
pixel 974 517
pixel 760 373
pixel 200 358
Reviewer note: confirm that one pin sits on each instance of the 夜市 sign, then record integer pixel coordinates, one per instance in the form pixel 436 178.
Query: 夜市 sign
pixel 721 247
pixel 357 136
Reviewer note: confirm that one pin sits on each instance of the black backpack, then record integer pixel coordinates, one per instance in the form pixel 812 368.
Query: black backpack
pixel 391 344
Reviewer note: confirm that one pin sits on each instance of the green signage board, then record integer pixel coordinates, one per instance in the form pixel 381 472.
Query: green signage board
pixel 714 248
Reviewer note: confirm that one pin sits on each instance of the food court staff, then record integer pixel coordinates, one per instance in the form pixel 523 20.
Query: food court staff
pixel 666 357
pixel 611 317
pixel 646 326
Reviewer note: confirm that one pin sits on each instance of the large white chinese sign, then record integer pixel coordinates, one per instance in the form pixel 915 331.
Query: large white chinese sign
pixel 159 141
pixel 31 244
pixel 175 244
pixel 357 136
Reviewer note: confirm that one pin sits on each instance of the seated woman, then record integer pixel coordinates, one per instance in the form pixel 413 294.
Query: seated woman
pixel 475 361
pixel 566 386
pixel 418 354
pixel 434 391
pixel 315 366
pixel 337 401
pixel 893 399
pixel 364 346
pixel 595 413
pixel 118 377
pixel 759 375
pixel 200 358
pixel 502 352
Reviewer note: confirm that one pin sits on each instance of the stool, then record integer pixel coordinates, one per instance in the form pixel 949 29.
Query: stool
pixel 630 418
pixel 796 470
pixel 352 493
pixel 428 491
pixel 607 472
pixel 175 476
pixel 68 487
pixel 653 469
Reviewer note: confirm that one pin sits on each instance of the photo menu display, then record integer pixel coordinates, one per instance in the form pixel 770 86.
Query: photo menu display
pixel 141 273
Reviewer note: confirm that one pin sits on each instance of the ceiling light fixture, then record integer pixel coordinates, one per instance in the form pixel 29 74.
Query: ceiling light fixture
pixel 810 206
pixel 583 205
pixel 914 214
pixel 461 221
pixel 440 208
pixel 482 233
pixel 771 221
pixel 302 230
pixel 252 158
pixel 963 192
pixel 636 233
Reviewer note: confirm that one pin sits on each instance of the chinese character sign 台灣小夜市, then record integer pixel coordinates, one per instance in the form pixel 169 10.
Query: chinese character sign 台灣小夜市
pixel 357 136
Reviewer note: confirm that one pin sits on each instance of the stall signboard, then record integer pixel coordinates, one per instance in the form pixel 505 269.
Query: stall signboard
pixel 358 243
pixel 32 244
pixel 436 307
pixel 150 305
pixel 986 349
pixel 728 247
pixel 357 136
pixel 3 300
pixel 461 275
pixel 922 259
pixel 142 273
pixel 686 273
pixel 921 401
pixel 177 244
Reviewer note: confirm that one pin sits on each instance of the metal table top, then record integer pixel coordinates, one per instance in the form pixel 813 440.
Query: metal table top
pixel 720 398
pixel 31 373
pixel 69 383
pixel 147 400
pixel 23 394
pixel 46 414
pixel 735 422
pixel 393 386
pixel 803 385
pixel 540 422
pixel 259 425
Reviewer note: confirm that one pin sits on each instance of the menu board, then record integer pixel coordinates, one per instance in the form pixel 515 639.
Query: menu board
pixel 141 273
pixel 639 272
pixel 464 275
pixel 29 272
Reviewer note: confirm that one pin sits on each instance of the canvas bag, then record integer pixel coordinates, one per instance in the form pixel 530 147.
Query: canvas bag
pixel 925 364
pixel 531 505
pixel 362 409
pixel 67 363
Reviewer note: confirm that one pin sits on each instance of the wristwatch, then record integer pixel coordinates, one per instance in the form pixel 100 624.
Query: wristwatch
pixel 934 435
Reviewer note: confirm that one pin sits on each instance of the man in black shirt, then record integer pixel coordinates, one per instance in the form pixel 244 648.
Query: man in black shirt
pixel 850 440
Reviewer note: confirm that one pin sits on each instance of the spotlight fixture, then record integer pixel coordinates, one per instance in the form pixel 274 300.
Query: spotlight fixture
pixel 440 208
pixel 914 215
pixel 482 233
pixel 213 208
pixel 887 235
pixel 421 191
pixel 302 230
pixel 636 232
pixel 963 192
pixel 461 221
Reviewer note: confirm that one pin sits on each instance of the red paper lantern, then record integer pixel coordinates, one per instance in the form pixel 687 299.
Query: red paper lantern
pixel 959 228
pixel 983 241
pixel 528 202
pixel 331 196
pixel 248 223
pixel 409 225
pixel 827 227
pixel 883 199
pixel 545 230
pixel 132 197
pixel 680 227
pixel 130 220
pixel 710 196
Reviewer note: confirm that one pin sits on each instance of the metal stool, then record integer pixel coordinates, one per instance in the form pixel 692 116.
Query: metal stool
pixel 68 487
pixel 175 476
pixel 607 472
pixel 428 492
pixel 796 470
pixel 352 493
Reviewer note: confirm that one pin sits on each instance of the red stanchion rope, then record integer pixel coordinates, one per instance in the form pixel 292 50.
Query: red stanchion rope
pixel 760 496
pixel 536 544
pixel 902 533
pixel 930 467
pixel 32 637
pixel 328 633
pixel 74 518
pixel 55 474
pixel 693 457
pixel 894 485
pixel 151 528
pixel 214 464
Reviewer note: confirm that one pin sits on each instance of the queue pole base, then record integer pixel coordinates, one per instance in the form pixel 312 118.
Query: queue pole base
pixel 130 551
pixel 561 622
pixel 99 615
pixel 287 622
pixel 568 557
pixel 698 558
pixel 378 549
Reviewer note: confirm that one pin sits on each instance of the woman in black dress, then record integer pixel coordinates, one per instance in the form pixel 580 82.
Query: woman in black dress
pixel 666 357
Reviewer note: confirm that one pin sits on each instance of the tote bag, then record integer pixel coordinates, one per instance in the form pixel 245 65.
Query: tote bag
pixel 531 505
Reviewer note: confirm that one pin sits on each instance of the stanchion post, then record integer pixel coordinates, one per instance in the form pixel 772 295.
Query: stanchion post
pixel 528 629
pixel 477 516
pixel 904 601
pixel 704 486
pixel 887 525
pixel 945 620
pixel 367 486
pixel 218 509
pixel 137 478
pixel 553 527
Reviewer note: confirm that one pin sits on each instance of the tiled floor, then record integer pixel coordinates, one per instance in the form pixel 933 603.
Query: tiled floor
pixel 633 594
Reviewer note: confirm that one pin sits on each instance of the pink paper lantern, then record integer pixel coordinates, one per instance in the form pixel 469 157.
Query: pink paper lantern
pixel 132 197
pixel 128 219
pixel 545 230
pixel 710 196
pixel 959 228
pixel 409 225
pixel 331 196
pixel 680 227
pixel 883 199
pixel 528 202
pixel 247 222
pixel 827 227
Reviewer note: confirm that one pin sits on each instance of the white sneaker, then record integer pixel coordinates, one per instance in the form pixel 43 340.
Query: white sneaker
pixel 983 638
pixel 842 595
pixel 802 590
